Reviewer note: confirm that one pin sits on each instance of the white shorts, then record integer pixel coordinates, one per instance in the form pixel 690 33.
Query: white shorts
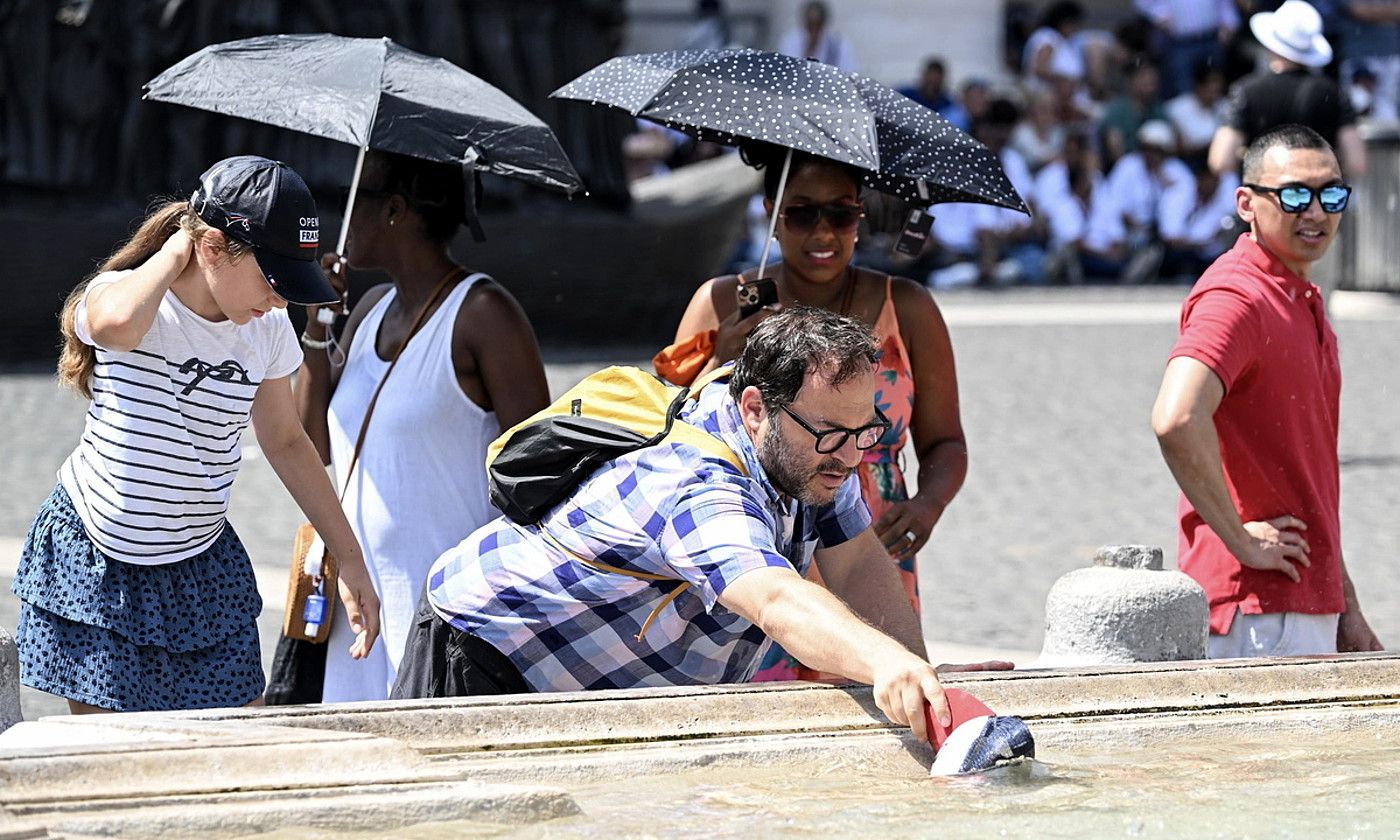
pixel 1276 634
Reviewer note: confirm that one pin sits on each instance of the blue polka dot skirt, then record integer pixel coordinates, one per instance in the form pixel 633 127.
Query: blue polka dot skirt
pixel 129 637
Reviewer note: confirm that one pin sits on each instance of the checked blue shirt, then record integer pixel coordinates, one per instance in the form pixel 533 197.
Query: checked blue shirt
pixel 667 510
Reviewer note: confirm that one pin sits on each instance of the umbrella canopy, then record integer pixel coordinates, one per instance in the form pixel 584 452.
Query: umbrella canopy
pixel 728 96
pixel 373 93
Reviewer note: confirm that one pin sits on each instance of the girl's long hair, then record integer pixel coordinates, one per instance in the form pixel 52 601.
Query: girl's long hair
pixel 76 361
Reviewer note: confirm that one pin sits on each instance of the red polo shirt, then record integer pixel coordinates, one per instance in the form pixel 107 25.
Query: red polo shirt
pixel 1264 332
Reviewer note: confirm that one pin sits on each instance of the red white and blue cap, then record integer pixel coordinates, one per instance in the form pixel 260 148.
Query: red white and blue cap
pixel 265 203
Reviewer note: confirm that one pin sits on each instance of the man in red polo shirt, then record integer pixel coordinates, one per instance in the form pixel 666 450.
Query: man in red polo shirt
pixel 1247 418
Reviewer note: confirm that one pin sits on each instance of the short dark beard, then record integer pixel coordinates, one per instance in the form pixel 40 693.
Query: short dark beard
pixel 782 463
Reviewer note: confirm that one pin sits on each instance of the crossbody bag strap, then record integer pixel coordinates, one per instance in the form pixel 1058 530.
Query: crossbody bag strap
pixel 443 285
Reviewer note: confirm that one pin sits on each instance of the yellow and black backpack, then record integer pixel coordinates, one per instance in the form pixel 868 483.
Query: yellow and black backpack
pixel 538 462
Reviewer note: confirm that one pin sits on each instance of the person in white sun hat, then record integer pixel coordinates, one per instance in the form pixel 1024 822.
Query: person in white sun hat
pixel 1290 92
pixel 1294 32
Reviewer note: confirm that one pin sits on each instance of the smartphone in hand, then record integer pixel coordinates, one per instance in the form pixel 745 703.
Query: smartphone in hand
pixel 755 294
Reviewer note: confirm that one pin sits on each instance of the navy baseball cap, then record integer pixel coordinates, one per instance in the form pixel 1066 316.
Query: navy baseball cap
pixel 265 203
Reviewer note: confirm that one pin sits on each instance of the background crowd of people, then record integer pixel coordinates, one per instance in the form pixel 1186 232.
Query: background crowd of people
pixel 1125 141
pixel 1121 133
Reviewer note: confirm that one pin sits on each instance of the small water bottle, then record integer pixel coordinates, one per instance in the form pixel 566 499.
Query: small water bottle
pixel 314 613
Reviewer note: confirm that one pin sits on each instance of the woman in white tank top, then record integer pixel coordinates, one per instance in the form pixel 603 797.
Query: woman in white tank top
pixel 472 369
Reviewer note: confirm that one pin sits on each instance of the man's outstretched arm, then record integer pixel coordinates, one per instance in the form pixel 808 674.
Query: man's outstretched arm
pixel 823 633
pixel 860 573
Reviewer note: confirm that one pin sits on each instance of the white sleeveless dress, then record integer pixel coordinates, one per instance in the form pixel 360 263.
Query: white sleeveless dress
pixel 419 487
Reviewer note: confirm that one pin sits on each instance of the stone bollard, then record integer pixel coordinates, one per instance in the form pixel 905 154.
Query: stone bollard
pixel 9 682
pixel 1124 609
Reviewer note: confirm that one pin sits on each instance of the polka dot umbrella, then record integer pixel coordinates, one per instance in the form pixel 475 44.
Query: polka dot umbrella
pixel 729 96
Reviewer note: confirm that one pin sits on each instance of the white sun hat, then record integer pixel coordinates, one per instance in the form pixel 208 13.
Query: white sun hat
pixel 1158 133
pixel 1294 32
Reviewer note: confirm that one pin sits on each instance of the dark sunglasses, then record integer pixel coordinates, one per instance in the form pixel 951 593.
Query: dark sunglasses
pixel 830 440
pixel 343 194
pixel 802 219
pixel 1296 198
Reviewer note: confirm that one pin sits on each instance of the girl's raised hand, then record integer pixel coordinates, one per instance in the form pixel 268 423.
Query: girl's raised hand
pixel 179 246
pixel 361 606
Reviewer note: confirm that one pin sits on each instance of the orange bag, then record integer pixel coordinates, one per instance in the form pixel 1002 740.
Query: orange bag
pixel 681 362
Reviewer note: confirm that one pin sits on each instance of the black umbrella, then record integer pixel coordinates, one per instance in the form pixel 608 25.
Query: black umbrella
pixel 732 95
pixel 373 93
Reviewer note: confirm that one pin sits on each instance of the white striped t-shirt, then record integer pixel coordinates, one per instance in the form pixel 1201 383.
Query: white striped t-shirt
pixel 152 474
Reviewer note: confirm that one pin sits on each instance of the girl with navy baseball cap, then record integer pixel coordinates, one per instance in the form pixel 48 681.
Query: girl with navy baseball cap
pixel 136 592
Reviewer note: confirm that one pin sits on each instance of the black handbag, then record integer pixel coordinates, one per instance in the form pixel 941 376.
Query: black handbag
pixel 298 673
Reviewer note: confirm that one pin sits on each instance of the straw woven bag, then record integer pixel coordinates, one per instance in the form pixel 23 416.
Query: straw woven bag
pixel 302 586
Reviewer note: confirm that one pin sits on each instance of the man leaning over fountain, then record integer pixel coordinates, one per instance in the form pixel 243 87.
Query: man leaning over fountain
pixel 1247 418
pixel 571 602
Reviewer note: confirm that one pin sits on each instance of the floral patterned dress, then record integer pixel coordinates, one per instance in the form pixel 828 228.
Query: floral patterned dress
pixel 881 479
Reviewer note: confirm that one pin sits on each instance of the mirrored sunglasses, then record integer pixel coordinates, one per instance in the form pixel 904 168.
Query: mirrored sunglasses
pixel 1296 198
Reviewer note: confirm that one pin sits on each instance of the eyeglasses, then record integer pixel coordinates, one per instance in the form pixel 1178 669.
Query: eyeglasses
pixel 1296 198
pixel 830 440
pixel 802 219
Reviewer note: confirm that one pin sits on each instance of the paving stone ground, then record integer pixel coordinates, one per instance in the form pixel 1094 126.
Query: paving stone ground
pixel 1056 389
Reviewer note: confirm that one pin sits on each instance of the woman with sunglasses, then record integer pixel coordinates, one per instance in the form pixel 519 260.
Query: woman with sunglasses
pixel 471 369
pixel 819 218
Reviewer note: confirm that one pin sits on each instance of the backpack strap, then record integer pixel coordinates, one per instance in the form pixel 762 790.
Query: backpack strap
pixel 683 432
pixel 604 567
pixel 700 382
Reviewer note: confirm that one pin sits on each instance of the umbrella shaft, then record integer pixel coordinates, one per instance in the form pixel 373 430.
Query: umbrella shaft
pixel 350 202
pixel 773 217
